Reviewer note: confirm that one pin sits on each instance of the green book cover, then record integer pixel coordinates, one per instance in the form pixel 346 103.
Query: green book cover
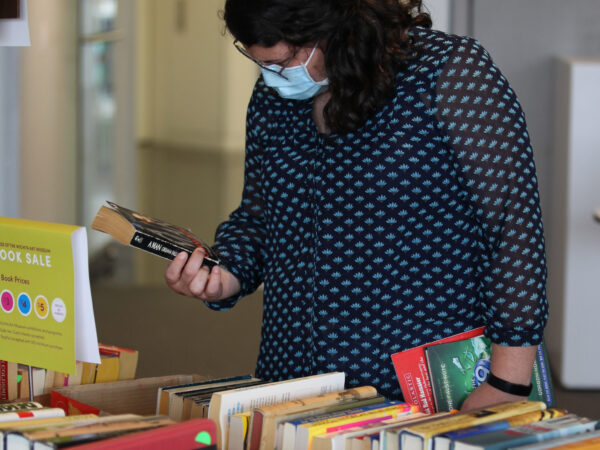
pixel 457 368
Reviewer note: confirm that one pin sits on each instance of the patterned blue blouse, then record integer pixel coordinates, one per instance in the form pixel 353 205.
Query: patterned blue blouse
pixel 423 223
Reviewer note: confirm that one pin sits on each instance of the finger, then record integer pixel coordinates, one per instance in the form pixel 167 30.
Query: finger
pixel 198 283
pixel 214 286
pixel 193 266
pixel 173 272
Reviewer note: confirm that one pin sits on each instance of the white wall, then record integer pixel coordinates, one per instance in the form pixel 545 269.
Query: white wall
pixel 9 131
pixel 48 106
pixel 440 11
pixel 193 91
pixel 201 85
pixel 574 278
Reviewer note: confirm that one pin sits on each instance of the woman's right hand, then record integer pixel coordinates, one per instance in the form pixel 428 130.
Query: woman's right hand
pixel 188 277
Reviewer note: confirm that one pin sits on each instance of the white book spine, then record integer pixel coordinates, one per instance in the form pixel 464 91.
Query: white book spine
pixel 243 399
pixel 32 414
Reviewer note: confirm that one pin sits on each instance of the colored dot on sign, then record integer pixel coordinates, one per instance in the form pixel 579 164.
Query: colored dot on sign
pixel 24 304
pixel 19 378
pixel 41 307
pixel 203 438
pixel 7 301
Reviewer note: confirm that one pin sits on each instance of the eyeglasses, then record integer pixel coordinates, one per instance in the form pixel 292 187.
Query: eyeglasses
pixel 261 64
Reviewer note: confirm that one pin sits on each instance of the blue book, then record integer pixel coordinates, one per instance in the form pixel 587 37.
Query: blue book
pixel 445 441
pixel 526 434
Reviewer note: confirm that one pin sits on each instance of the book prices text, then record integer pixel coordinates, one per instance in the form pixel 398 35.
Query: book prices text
pixel 25 304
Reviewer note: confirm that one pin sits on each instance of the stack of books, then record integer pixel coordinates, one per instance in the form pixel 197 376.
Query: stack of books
pixel 116 364
pixel 315 412
pixel 253 415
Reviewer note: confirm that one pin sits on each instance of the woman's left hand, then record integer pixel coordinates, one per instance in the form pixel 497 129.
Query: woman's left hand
pixel 486 395
pixel 513 364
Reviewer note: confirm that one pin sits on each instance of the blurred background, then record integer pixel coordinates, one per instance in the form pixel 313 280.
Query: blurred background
pixel 143 102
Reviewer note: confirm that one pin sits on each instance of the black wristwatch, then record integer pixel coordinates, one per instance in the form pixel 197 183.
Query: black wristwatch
pixel 508 387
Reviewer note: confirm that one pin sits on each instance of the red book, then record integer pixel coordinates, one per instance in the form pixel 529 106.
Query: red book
pixel 412 373
pixel 8 381
pixel 188 435
pixel 71 406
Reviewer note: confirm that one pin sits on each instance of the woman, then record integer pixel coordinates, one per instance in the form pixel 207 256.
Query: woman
pixel 390 196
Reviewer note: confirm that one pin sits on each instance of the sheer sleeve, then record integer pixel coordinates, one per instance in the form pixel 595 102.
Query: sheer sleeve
pixel 240 241
pixel 482 122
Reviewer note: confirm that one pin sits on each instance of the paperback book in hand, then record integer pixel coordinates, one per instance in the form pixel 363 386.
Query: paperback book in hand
pixel 150 234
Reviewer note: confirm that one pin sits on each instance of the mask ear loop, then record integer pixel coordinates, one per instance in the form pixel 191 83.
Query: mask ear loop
pixel 311 54
pixel 324 82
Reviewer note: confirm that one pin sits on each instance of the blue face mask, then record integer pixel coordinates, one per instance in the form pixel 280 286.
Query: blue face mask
pixel 299 84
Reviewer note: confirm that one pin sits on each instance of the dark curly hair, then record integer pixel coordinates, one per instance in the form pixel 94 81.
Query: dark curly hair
pixel 367 44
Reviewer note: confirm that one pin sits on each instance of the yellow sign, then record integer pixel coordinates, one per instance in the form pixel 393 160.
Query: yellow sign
pixel 46 315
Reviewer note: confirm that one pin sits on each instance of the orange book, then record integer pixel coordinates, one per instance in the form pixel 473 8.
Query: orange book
pixel 128 360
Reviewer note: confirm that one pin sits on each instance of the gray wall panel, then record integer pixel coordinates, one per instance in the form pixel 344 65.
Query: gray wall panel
pixel 9 131
pixel 524 38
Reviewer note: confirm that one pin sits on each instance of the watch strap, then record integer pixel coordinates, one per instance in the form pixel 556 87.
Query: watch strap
pixel 508 387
